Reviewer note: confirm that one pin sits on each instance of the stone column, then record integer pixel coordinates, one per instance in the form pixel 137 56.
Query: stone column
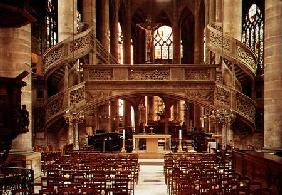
pixel 114 115
pixel 197 33
pixel 272 75
pixel 218 11
pixel 70 131
pixel 176 35
pixel 150 107
pixel 105 25
pixel 197 115
pixel 75 136
pixel 67 23
pixel 89 17
pixel 15 57
pixel 224 136
pixel 127 114
pixel 232 18
pixel 127 35
pixel 212 4
pixel 114 29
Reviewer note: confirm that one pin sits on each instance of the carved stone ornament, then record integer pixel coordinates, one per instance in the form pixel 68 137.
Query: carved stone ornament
pixel 77 95
pixel 197 74
pixel 53 56
pixel 81 43
pixel 149 74
pixel 245 106
pixel 246 57
pixel 202 95
pixel 53 107
pixel 99 95
pixel 223 96
pixel 101 74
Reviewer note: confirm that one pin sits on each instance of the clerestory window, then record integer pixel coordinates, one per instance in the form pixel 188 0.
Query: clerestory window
pixel 51 23
pixel 253 32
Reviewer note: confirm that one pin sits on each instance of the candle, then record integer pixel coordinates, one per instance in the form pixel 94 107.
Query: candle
pixel 123 133
pixel 180 133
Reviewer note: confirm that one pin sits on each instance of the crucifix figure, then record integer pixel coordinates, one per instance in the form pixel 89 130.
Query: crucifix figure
pixel 149 28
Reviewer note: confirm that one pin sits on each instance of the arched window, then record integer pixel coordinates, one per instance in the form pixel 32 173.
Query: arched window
pixel 252 34
pixel 51 23
pixel 163 40
pixel 120 43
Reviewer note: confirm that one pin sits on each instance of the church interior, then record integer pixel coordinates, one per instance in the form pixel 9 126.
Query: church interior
pixel 161 97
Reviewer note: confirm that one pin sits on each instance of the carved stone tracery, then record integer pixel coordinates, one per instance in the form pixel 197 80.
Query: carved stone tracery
pixel 81 43
pixel 202 95
pixel 77 95
pixel 222 96
pixel 101 74
pixel 245 106
pixel 197 74
pixel 54 107
pixel 149 74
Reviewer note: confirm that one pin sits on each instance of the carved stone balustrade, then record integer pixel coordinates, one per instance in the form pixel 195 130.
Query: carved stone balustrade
pixel 237 101
pixel 145 72
pixel 231 49
pixel 57 105
pixel 72 49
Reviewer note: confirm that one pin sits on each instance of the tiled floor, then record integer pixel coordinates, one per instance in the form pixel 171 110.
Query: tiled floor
pixel 151 178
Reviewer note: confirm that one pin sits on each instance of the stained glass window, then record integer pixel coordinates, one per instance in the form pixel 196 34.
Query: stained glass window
pixel 253 32
pixel 163 43
pixel 51 23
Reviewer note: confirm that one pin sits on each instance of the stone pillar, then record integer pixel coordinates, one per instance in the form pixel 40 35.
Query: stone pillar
pixel 70 131
pixel 218 12
pixel 197 116
pixel 127 35
pixel 176 35
pixel 207 18
pixel 89 12
pixel 114 29
pixel 224 136
pixel 197 34
pixel 15 57
pixel 127 114
pixel 150 107
pixel 232 18
pixel 212 4
pixel 67 23
pixel 89 17
pixel 75 136
pixel 272 75
pixel 105 17
pixel 114 115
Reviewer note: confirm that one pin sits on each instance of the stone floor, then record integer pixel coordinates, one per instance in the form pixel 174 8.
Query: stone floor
pixel 151 178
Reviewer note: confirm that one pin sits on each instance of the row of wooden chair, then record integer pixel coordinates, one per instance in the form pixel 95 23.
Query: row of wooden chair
pixel 195 173
pixel 78 172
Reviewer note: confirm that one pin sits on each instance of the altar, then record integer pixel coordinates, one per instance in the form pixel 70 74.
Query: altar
pixel 154 144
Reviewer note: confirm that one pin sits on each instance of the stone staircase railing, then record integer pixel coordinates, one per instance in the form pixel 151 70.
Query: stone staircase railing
pixel 230 48
pixel 72 49
pixel 238 102
pixel 57 105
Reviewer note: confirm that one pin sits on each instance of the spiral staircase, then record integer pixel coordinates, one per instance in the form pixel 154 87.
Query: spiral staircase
pixel 195 82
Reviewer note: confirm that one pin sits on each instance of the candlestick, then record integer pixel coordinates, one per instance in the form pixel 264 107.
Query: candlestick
pixel 123 133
